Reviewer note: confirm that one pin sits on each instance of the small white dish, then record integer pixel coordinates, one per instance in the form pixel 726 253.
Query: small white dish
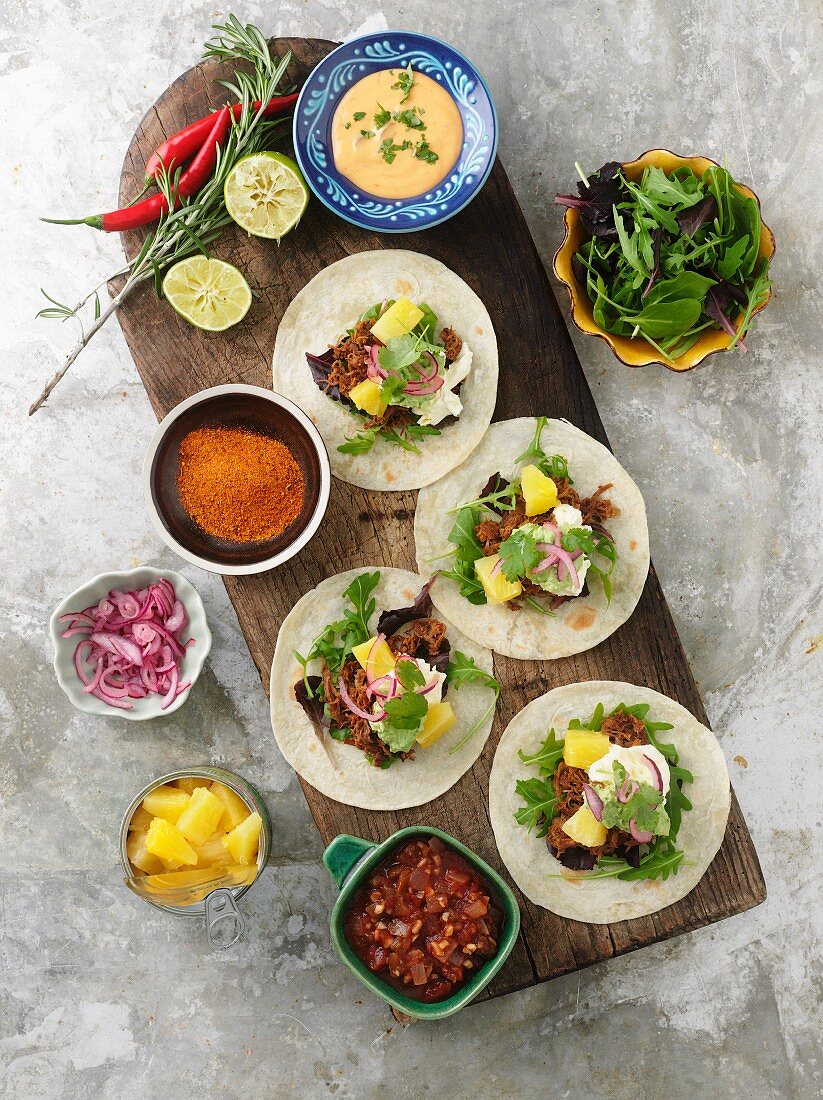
pixel 249 408
pixel 191 665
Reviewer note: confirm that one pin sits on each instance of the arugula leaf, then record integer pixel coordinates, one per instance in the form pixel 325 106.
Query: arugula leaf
pixel 462 534
pixel 359 444
pixel 464 670
pixel 548 756
pixel 539 809
pixel 662 860
pixel 469 586
pixel 594 723
pixel 534 452
pixel 427 325
pixel 519 554
pixel 336 641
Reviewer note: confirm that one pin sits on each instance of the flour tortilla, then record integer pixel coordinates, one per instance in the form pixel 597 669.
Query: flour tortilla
pixel 527 857
pixel 341 771
pixel 331 303
pixel 578 624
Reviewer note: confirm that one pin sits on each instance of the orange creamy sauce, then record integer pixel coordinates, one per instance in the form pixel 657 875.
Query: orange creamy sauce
pixel 360 159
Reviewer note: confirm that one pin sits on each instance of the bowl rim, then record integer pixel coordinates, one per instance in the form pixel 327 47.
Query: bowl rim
pixel 481 179
pixel 308 532
pixel 573 288
pixel 374 852
pixel 103 582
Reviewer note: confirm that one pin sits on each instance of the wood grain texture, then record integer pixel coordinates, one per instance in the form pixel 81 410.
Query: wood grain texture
pixel 490 246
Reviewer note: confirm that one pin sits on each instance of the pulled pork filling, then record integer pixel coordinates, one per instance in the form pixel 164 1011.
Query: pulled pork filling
pixel 422 638
pixel 621 729
pixel 347 368
pixel 595 510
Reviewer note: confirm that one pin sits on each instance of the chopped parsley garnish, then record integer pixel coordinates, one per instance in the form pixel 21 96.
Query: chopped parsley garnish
pixel 381 116
pixel 358 115
pixel 425 152
pixel 389 150
pixel 367 133
pixel 405 82
pixel 409 118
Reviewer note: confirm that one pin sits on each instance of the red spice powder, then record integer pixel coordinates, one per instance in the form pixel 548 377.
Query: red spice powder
pixel 239 485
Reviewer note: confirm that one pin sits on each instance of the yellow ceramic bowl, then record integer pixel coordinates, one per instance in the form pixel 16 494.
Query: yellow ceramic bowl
pixel 635 351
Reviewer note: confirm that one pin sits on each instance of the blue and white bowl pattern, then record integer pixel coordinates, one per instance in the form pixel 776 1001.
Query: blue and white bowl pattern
pixel 329 82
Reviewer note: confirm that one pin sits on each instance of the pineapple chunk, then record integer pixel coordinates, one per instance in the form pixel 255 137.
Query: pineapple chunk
pixel 140 819
pixel 199 819
pixel 584 828
pixel 583 747
pixel 242 841
pixel 382 659
pixel 140 856
pixel 497 588
pixel 539 491
pixel 213 853
pixel 189 783
pixel 166 802
pixel 439 720
pixel 235 809
pixel 366 396
pixel 398 319
pixel 166 841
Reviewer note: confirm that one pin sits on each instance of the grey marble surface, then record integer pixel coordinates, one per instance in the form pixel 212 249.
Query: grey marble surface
pixel 99 996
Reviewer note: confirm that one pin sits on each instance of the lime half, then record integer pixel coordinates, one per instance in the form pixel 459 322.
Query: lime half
pixel 210 294
pixel 266 194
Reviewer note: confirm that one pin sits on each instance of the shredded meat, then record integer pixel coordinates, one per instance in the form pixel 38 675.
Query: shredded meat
pixel 565 493
pixel 488 535
pixel 452 343
pixel 426 632
pixel 361 735
pixel 596 508
pixel 568 786
pixel 350 357
pixel 625 729
pixel 395 416
pixel 515 518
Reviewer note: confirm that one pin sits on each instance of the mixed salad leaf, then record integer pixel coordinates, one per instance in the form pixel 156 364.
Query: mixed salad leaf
pixel 647 806
pixel 669 256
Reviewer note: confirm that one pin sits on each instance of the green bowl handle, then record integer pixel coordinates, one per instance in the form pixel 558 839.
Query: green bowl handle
pixel 343 853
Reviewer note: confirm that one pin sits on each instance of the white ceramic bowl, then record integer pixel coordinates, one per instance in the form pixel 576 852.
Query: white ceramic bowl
pixel 249 408
pixel 91 593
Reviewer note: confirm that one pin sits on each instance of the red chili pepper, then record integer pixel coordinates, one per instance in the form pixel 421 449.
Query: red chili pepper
pixel 149 210
pixel 177 149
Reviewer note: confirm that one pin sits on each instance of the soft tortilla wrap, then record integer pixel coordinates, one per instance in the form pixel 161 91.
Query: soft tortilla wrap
pixel 341 771
pixel 579 623
pixel 542 878
pixel 331 303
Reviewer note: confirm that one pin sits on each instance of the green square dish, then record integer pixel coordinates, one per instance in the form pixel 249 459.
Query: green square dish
pixel 350 859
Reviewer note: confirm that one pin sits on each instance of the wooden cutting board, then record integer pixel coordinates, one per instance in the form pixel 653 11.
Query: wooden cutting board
pixel 490 246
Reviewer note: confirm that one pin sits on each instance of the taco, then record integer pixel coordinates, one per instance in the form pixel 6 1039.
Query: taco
pixel 540 538
pixel 394 358
pixel 374 701
pixel 608 801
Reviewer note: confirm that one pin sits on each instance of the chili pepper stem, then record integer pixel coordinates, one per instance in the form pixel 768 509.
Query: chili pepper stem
pixel 81 343
pixel 94 220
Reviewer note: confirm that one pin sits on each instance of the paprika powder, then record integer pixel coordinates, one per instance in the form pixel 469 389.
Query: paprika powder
pixel 239 485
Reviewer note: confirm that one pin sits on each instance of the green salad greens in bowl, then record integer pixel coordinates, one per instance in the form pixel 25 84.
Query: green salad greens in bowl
pixel 666 258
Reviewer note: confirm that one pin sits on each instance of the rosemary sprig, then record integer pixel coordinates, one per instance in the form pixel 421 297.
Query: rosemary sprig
pixel 196 222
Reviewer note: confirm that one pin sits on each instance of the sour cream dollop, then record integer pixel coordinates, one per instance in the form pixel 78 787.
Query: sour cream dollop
pixel 632 759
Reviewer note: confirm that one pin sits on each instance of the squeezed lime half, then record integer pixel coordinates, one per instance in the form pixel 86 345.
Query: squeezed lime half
pixel 210 294
pixel 266 194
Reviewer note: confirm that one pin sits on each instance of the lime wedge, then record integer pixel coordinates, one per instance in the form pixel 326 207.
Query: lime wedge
pixel 210 294
pixel 266 194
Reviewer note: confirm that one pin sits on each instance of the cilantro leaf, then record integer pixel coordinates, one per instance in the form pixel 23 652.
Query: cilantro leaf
pixel 425 152
pixel 390 149
pixel 403 721
pixel 519 554
pixel 409 118
pixel 358 115
pixel 381 116
pixel 405 82
pixel 409 675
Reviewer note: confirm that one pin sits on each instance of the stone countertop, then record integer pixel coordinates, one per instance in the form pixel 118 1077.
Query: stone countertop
pixel 100 996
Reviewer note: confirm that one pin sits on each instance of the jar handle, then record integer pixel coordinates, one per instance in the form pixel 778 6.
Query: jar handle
pixel 220 907
pixel 343 854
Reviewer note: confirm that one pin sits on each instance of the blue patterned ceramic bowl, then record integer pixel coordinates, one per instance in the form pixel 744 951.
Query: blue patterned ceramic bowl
pixel 333 77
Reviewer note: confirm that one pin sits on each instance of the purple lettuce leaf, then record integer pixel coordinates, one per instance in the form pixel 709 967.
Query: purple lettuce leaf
pixel 716 306
pixel 391 621
pixel 320 367
pixel 312 706
pixel 597 199
pixel 690 220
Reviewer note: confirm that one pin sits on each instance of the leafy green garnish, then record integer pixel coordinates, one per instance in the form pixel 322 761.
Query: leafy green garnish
pixel 367 133
pixel 389 149
pixel 540 798
pixel 381 116
pixel 405 82
pixel 409 675
pixel 360 443
pixel 337 640
pixel 518 554
pixel 358 115
pixel 548 756
pixel 425 152
pixel 404 719
pixel 662 860
pixel 409 118
pixel 463 670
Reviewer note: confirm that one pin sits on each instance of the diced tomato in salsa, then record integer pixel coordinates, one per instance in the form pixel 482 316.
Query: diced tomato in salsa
pixel 425 922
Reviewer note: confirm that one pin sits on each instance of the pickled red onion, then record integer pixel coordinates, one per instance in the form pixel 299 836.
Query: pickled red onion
pixel 131 644
pixel 353 707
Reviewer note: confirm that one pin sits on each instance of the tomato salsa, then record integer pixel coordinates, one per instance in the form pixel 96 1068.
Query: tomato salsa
pixel 425 922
